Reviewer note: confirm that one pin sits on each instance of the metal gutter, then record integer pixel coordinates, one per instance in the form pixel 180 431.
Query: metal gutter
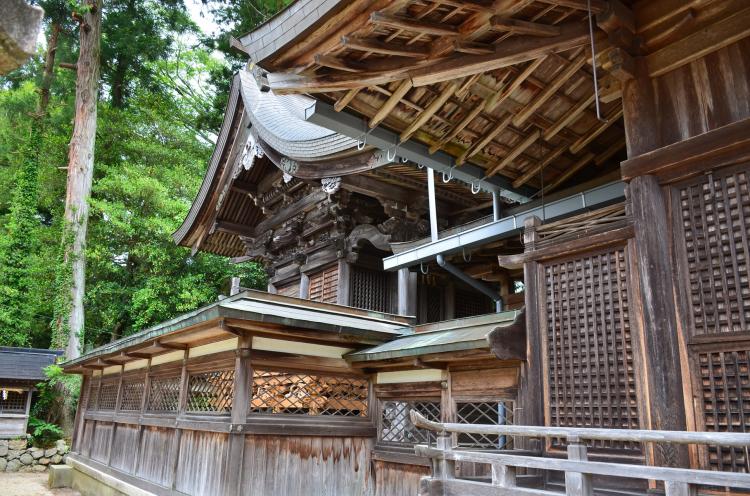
pixel 508 226
pixel 324 115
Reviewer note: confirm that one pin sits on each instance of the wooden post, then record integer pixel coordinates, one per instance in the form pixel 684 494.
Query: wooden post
pixel 532 370
pixel 503 475
pixel 441 468
pixel 342 295
pixel 181 407
pixel 304 286
pixel 407 292
pixel 144 403
pixel 235 288
pixel 576 483
pixel 117 409
pixel 658 321
pixel 243 388
pixel 80 413
pixel 672 488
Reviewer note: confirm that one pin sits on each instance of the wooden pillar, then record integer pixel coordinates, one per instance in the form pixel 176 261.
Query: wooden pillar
pixel 304 286
pixel 144 404
pixel 117 409
pixel 407 292
pixel 80 413
pixel 640 112
pixel 181 407
pixel 342 295
pixel 658 321
pixel 531 389
pixel 243 387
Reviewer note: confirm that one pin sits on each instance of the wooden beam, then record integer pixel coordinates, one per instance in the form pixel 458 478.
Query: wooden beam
pixel 245 188
pixel 519 149
pixel 697 45
pixel 412 24
pixel 585 159
pixel 649 14
pixel 384 48
pixel 430 110
pixel 389 104
pixel 568 118
pixel 233 228
pixel 497 128
pixel 517 26
pixel 511 52
pixel 338 63
pixel 533 171
pixel 342 102
pixel 597 6
pixel 539 100
pixel 611 150
pixel 586 139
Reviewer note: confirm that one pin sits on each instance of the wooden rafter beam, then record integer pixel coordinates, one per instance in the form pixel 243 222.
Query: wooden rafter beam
pixel 511 52
pixel 517 26
pixel 233 228
pixel 342 102
pixel 485 140
pixel 385 48
pixel 430 110
pixel 338 63
pixel 568 118
pixel 578 165
pixel 519 149
pixel 597 130
pixel 412 24
pixel 597 6
pixel 389 104
pixel 533 171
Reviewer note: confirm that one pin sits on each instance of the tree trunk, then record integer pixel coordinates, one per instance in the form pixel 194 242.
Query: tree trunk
pixel 80 175
pixel 49 69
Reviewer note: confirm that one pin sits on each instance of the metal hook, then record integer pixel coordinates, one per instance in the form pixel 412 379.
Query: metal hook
pixel 449 176
pixel 404 160
pixel 593 64
pixel 463 254
pixel 420 166
pixel 388 153
pixel 424 270
pixel 476 187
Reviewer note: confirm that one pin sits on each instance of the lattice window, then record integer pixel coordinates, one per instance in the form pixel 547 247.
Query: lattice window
pixel 485 412
pixel 591 376
pixel 13 401
pixel 305 394
pixel 725 384
pixel 211 392
pixel 93 396
pixel 396 426
pixel 164 394
pixel 108 395
pixel 324 285
pixel 470 303
pixel 132 395
pixel 716 222
pixel 431 300
pixel 369 289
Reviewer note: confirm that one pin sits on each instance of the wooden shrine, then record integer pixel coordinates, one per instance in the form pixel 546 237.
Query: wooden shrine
pixel 413 174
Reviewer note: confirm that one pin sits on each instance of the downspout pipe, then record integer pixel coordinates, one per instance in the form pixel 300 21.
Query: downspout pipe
pixel 479 286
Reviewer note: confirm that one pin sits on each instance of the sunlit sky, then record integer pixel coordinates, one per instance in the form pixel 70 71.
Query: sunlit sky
pixel 201 16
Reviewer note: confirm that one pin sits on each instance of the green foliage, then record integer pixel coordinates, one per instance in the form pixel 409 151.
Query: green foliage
pixel 49 397
pixel 43 433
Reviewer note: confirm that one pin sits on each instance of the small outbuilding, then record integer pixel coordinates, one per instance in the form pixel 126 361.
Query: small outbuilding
pixel 20 370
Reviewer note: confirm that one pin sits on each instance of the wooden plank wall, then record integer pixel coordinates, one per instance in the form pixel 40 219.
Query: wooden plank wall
pixel 397 479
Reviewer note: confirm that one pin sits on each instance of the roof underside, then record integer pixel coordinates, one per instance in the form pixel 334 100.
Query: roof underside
pixel 509 87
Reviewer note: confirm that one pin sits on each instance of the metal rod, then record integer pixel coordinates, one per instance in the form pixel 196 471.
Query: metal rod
pixel 433 206
pixel 593 64
pixel 496 206
pixel 479 286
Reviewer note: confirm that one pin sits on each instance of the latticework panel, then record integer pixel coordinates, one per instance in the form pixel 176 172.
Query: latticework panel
pixel 725 385
pixel 132 395
pixel 369 289
pixel 93 399
pixel 591 375
pixel 470 303
pixel 211 392
pixel 108 395
pixel 164 394
pixel 716 221
pixel 12 401
pixel 397 427
pixel 306 394
pixel 324 285
pixel 488 413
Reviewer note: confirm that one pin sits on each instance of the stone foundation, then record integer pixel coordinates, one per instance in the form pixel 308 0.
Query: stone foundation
pixel 17 456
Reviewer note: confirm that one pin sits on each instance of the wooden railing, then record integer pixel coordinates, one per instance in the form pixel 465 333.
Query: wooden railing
pixel 578 470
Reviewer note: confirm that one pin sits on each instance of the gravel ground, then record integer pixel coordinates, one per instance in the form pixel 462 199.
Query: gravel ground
pixel 29 484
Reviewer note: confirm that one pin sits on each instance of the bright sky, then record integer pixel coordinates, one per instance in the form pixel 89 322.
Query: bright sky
pixel 201 16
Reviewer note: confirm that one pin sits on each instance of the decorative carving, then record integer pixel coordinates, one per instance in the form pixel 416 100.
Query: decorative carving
pixel 249 153
pixel 368 232
pixel 289 166
pixel 331 184
pixel 287 177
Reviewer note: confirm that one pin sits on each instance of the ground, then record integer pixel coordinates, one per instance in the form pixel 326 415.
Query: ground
pixel 29 484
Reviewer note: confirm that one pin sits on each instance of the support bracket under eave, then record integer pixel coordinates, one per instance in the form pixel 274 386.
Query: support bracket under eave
pixel 509 342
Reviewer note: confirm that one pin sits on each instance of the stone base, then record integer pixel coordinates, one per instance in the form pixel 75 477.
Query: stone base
pixel 60 476
pixel 90 481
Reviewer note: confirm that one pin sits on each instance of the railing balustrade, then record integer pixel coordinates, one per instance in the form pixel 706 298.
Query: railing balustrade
pixel 577 468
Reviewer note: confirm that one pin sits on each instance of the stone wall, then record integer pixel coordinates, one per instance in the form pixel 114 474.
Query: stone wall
pixel 17 456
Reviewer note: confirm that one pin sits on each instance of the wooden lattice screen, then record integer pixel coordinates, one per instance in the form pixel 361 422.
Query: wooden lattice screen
pixel 589 350
pixel 715 215
pixel 725 394
pixel 324 285
pixel 470 303
pixel 369 289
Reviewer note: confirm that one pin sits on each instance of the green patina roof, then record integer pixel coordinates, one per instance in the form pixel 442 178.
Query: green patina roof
pixel 260 307
pixel 452 335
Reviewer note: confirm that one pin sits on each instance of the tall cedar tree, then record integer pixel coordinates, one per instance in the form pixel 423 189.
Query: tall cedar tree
pixel 72 273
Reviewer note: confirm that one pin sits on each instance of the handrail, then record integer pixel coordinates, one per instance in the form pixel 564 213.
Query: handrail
pixel 573 434
pixel 579 471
